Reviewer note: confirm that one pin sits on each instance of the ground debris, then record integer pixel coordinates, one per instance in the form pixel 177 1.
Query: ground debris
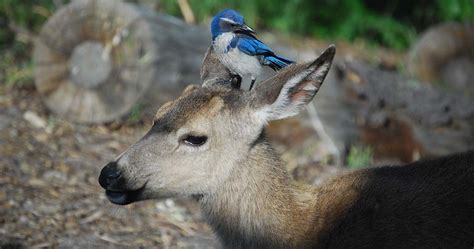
pixel 35 120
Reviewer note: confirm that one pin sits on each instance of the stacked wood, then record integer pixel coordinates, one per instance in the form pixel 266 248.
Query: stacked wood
pixel 96 59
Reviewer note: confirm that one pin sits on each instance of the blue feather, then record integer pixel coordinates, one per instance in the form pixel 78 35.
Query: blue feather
pixel 276 62
pixel 254 47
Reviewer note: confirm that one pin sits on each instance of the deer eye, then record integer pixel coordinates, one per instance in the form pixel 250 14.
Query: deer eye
pixel 194 140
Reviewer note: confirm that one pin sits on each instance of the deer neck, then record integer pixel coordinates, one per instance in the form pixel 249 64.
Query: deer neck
pixel 260 206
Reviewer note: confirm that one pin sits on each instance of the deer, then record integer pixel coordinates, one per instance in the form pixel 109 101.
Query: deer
pixel 210 144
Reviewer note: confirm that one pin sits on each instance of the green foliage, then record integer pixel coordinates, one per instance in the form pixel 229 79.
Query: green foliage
pixel 359 157
pixel 23 13
pixel 392 24
pixel 459 10
pixel 16 69
pixel 14 73
pixel 136 113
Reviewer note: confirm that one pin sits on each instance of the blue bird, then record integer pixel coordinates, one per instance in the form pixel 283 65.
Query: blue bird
pixel 238 49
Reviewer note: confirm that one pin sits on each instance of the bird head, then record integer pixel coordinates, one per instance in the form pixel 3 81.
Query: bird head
pixel 229 20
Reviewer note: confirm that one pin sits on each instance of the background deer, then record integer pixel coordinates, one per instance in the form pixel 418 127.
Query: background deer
pixel 210 143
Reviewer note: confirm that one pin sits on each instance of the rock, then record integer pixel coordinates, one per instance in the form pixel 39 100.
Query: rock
pixel 35 120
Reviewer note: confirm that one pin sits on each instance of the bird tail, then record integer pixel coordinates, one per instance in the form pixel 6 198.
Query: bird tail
pixel 277 62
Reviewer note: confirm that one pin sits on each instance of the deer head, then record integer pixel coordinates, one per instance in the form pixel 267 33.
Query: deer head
pixel 199 139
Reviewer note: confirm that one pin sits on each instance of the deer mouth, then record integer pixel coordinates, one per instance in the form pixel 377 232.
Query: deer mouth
pixel 124 197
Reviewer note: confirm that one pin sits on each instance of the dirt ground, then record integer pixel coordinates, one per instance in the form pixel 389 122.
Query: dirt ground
pixel 50 197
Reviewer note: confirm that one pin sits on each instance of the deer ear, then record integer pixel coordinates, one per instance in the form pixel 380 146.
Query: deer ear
pixel 286 93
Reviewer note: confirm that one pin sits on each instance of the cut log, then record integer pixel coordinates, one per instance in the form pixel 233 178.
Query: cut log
pixel 445 54
pixel 400 118
pixel 96 59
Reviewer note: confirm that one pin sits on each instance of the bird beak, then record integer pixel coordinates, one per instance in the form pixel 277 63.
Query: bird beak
pixel 246 30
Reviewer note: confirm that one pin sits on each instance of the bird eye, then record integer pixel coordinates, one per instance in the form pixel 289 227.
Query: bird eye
pixel 194 140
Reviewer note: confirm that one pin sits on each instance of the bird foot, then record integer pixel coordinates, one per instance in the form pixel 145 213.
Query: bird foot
pixel 251 84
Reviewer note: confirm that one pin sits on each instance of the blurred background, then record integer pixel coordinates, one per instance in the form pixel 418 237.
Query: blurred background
pixel 80 81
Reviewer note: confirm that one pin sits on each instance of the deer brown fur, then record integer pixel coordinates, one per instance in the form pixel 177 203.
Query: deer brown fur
pixel 210 143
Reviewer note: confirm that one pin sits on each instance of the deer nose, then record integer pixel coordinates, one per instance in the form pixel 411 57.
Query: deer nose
pixel 109 175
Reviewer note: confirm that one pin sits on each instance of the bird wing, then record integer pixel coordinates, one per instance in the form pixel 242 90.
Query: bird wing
pixel 252 46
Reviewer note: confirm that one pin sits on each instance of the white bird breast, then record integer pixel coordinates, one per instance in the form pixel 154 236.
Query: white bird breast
pixel 235 60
